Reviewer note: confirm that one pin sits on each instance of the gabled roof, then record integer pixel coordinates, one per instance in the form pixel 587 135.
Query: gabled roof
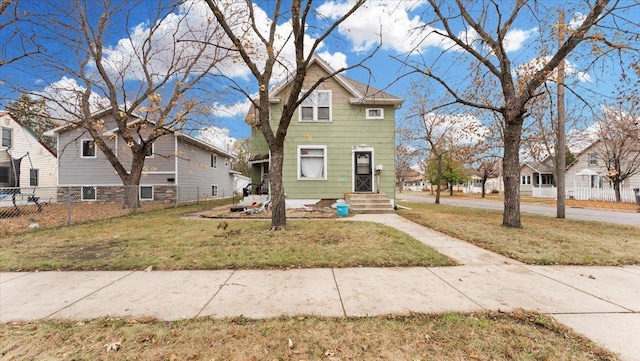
pixel 202 144
pixel 178 134
pixel 64 127
pixel 7 114
pixel 361 93
pixel 538 167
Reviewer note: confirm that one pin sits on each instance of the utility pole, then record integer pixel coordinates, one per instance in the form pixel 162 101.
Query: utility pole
pixel 561 138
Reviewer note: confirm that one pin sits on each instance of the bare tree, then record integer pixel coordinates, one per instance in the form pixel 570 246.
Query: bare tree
pixel 143 83
pixel 484 46
pixel 618 135
pixel 406 157
pixel 16 44
pixel 263 58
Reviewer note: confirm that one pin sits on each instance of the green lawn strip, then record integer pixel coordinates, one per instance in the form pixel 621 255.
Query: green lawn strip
pixel 452 336
pixel 542 240
pixel 163 240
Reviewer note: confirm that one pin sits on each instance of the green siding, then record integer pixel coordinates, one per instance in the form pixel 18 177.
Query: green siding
pixel 348 129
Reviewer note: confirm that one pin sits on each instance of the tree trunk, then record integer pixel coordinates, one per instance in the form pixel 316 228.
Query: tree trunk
pixel 276 190
pixel 451 189
pixel 131 183
pixel 438 179
pixel 616 189
pixel 484 183
pixel 512 134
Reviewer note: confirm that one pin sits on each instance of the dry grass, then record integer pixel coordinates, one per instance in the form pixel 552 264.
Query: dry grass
pixel 59 214
pixel 166 241
pixel 477 336
pixel 543 240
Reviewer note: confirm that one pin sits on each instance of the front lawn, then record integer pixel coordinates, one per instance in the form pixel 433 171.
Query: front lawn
pixel 542 240
pixel 165 241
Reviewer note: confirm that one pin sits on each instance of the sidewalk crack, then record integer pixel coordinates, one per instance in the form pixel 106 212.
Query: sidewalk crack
pixel 344 312
pixel 226 283
pixel 91 293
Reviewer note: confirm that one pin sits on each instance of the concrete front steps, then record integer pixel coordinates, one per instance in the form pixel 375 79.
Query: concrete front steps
pixel 369 203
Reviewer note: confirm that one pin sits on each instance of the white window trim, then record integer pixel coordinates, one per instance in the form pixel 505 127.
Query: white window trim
pixel 226 162
pixel 381 116
pixel 11 136
pixel 217 192
pixel 95 150
pixel 140 193
pixel 153 151
pixel 37 177
pixel 592 159
pixel 324 148
pixel 315 108
pixel 212 163
pixel 95 192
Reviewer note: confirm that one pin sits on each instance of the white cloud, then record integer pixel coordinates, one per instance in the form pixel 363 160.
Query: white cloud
pixel 64 98
pixel 385 21
pixel 194 22
pixel 230 111
pixel 536 64
pixel 516 38
pixel 390 22
pixel 218 137
pixel 576 20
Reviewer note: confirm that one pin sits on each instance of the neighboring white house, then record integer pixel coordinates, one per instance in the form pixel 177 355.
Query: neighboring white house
pixel 587 178
pixel 25 162
pixel 536 179
pixel 178 167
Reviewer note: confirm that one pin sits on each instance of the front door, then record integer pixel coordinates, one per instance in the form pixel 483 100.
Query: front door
pixel 363 172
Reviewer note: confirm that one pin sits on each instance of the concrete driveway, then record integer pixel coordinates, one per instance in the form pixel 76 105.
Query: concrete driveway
pixel 618 217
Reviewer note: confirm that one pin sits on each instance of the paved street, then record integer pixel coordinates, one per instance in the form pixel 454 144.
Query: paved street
pixel 618 217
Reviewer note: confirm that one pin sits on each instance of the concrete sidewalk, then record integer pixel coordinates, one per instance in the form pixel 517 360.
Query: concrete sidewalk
pixel 602 303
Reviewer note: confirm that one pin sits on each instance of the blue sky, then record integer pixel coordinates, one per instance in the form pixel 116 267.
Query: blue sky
pixel 406 32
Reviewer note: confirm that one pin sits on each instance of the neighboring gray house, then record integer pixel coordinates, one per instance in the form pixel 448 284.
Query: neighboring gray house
pixel 178 166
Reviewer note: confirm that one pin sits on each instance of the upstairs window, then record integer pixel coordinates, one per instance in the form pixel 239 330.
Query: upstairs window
pixel 316 107
pixel 88 148
pixel 593 159
pixel 214 161
pixel 6 137
pixel 374 113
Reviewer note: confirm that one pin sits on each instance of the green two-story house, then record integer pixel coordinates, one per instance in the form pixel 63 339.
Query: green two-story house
pixel 341 141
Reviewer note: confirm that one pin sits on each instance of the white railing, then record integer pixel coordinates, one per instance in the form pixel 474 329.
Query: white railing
pixel 587 194
pixel 602 194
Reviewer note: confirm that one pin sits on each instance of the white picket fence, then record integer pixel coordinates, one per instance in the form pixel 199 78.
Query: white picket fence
pixel 587 194
pixel 544 192
pixel 602 194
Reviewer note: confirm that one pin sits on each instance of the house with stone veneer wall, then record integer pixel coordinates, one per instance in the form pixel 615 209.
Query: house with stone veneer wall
pixel 178 167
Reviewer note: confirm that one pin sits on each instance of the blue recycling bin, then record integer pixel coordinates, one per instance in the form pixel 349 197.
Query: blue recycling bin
pixel 342 209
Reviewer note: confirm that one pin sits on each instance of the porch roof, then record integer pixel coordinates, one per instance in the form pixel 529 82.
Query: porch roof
pixel 539 167
pixel 586 171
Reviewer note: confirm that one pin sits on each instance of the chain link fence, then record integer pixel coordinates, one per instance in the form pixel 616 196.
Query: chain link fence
pixel 22 209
